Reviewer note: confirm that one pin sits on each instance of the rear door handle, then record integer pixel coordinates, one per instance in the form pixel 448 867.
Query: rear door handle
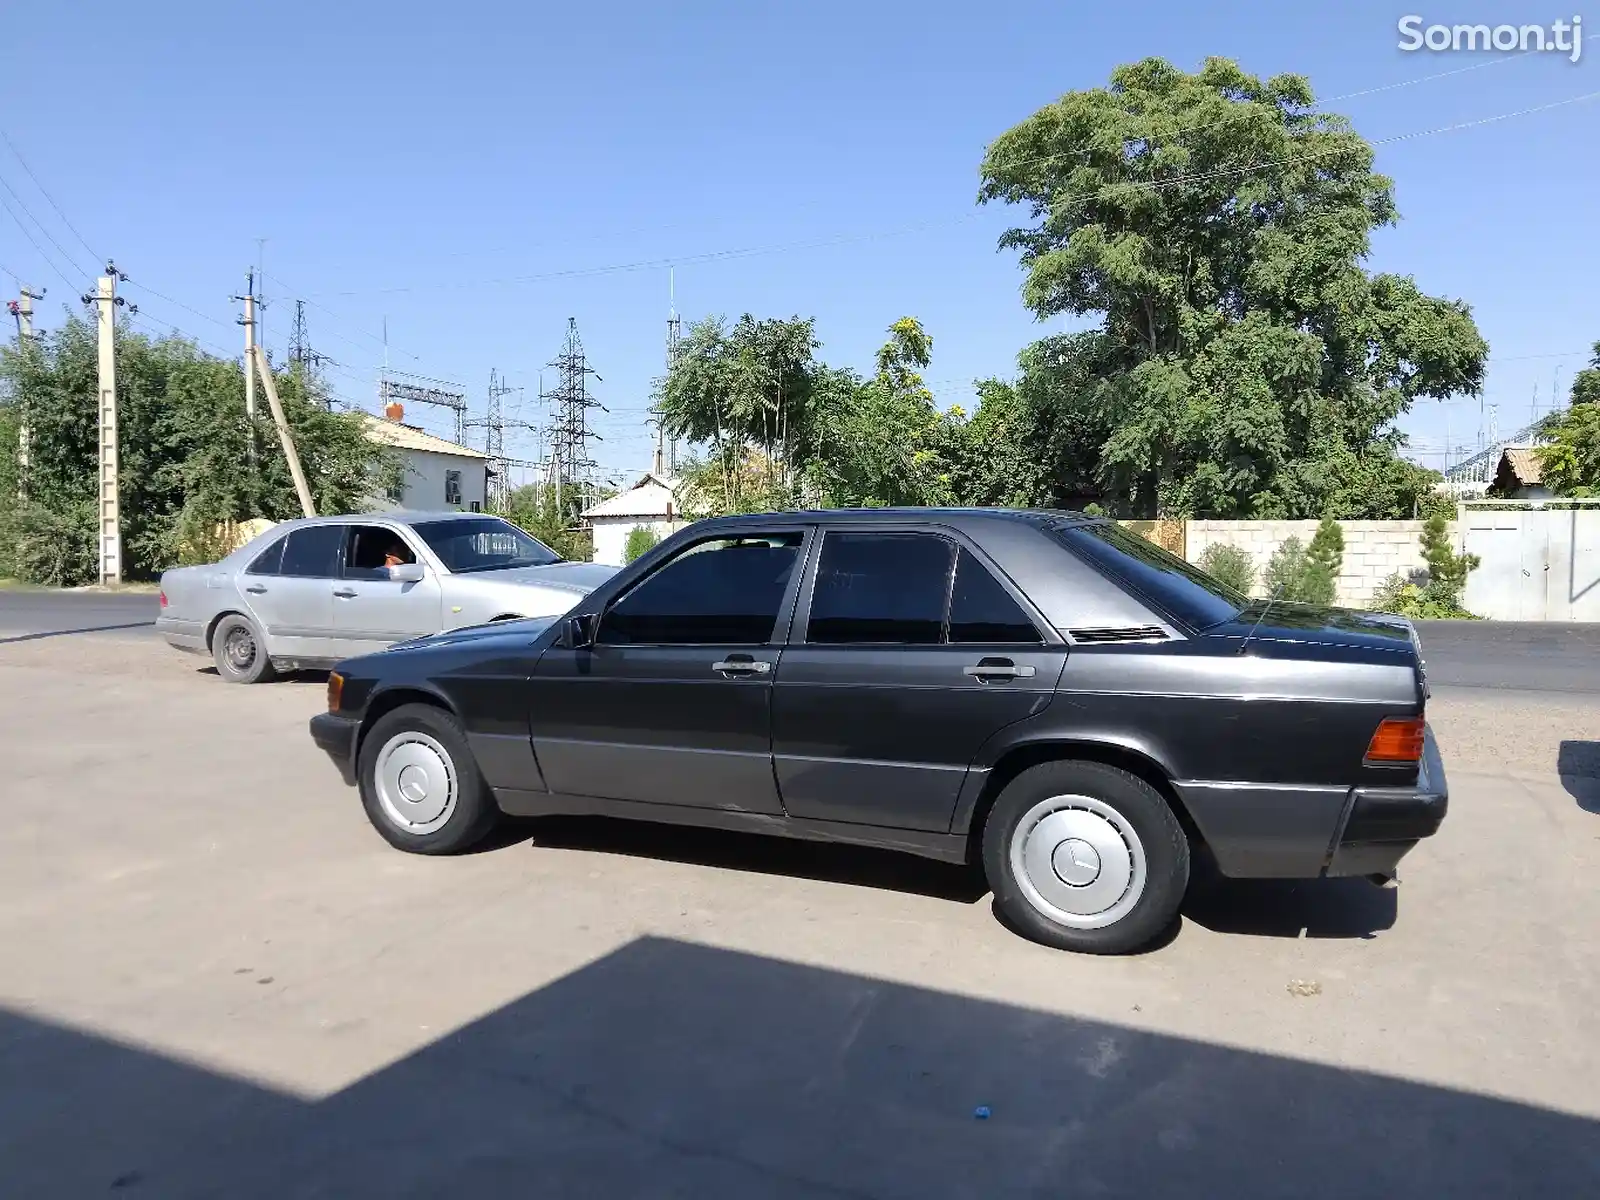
pixel 346 594
pixel 1000 670
pixel 255 589
pixel 742 666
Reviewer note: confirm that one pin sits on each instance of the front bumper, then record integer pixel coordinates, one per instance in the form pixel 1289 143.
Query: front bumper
pixel 1381 825
pixel 336 734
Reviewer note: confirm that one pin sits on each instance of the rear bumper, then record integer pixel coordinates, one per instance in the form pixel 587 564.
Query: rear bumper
pixel 336 734
pixel 183 635
pixel 1381 825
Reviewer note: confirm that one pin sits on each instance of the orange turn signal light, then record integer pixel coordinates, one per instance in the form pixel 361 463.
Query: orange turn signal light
pixel 1397 740
pixel 335 690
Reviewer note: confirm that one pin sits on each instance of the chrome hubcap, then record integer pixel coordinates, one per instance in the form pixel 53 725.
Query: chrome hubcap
pixel 240 648
pixel 415 782
pixel 1078 861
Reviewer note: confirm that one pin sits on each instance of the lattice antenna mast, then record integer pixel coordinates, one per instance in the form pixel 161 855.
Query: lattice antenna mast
pixel 571 467
pixel 448 395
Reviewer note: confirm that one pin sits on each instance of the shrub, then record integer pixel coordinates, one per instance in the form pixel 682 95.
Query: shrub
pixel 641 540
pixel 1230 565
pixel 1440 596
pixel 1324 559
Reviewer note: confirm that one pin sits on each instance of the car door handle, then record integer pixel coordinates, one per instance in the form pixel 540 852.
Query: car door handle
pixel 255 589
pixel 742 666
pixel 1000 670
pixel 346 594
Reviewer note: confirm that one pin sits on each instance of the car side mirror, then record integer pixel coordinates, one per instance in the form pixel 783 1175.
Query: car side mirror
pixel 407 572
pixel 580 631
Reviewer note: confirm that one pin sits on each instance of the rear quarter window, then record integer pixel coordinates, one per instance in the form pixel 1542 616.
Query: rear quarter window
pixel 1182 589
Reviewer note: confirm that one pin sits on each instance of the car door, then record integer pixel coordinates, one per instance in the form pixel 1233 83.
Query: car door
pixel 372 610
pixel 672 703
pixel 908 654
pixel 289 590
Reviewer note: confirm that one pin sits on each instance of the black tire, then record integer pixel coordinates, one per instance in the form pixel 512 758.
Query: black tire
pixel 474 812
pixel 240 652
pixel 1124 798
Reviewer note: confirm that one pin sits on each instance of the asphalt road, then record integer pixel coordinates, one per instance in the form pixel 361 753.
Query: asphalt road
pixel 27 616
pixel 1475 654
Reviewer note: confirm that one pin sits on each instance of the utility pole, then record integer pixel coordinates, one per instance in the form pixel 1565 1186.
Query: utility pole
pixel 249 323
pixel 285 438
pixel 106 302
pixel 22 309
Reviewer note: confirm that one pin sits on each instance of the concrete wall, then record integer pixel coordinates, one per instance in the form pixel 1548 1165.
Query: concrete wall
pixel 1373 550
pixel 611 535
pixel 424 480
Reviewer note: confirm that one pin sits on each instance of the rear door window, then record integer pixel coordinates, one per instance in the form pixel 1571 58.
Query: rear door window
pixel 982 611
pixel 269 560
pixel 881 588
pixel 313 552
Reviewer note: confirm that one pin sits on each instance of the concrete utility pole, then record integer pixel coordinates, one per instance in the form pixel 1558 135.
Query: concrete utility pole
pixel 106 301
pixel 285 438
pixel 249 323
pixel 22 309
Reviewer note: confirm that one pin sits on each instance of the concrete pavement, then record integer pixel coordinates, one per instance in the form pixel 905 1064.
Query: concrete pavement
pixel 218 980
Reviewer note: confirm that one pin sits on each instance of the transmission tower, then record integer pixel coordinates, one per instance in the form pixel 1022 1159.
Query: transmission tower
pixel 494 425
pixel 570 464
pixel 303 360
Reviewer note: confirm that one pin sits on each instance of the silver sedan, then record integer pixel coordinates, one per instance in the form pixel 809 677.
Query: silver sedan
pixel 308 593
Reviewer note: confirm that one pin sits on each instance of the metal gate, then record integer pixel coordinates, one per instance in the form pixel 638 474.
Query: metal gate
pixel 1536 563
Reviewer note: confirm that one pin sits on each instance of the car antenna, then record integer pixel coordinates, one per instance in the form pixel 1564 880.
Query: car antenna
pixel 1265 609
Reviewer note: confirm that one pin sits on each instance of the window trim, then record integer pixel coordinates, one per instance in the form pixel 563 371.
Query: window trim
pixel 344 538
pixel 781 626
pixel 800 626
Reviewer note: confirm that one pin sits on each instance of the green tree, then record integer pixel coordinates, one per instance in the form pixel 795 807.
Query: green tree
pixel 989 456
pixel 1244 364
pixel 1230 565
pixel 185 446
pixel 1286 570
pixel 1440 595
pixel 1570 464
pixel 536 509
pixel 1324 559
pixel 641 540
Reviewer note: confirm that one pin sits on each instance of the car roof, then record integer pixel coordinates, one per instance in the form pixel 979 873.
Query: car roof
pixel 873 516
pixel 393 516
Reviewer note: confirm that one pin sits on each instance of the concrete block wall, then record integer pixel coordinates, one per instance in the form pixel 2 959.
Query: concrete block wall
pixel 1373 550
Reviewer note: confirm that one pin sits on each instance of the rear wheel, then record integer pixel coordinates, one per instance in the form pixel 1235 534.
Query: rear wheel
pixel 239 651
pixel 420 784
pixel 1082 856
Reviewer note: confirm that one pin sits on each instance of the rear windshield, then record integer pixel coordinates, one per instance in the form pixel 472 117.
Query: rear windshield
pixel 1183 589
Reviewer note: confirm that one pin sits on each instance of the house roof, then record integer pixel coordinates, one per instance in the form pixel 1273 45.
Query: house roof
pixel 409 437
pixel 1523 464
pixel 654 496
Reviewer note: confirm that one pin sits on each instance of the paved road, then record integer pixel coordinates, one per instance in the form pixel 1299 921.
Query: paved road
pixel 1475 654
pixel 30 616
pixel 217 980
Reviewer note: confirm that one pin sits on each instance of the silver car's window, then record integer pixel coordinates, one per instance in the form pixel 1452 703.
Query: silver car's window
pixel 483 544
pixel 371 550
pixel 313 551
pixel 268 561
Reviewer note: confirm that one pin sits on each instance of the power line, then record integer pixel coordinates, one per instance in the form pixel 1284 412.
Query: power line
pixel 43 253
pixel 48 197
pixel 60 249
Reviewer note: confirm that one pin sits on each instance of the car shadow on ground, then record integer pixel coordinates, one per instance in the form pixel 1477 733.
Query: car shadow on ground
pixel 290 677
pixel 55 633
pixel 1292 908
pixel 670 1069
pixel 860 866
pixel 1578 764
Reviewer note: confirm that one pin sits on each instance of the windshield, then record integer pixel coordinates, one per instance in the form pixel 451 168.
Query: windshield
pixel 1181 588
pixel 483 544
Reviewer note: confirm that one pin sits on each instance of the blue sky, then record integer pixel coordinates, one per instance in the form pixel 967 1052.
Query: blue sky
pixel 472 174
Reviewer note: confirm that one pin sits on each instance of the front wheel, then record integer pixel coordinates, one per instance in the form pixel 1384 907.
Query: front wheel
pixel 1082 856
pixel 420 784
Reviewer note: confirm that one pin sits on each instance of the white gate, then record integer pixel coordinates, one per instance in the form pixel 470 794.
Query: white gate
pixel 1536 563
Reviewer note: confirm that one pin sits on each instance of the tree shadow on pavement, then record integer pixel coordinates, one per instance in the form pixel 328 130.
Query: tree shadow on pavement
pixel 861 866
pixel 1578 764
pixel 669 1069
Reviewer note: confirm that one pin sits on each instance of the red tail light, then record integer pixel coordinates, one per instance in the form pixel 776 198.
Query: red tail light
pixel 1397 741
pixel 163 597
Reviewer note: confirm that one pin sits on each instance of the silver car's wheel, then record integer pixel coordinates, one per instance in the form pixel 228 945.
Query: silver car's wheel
pixel 415 780
pixel 1078 861
pixel 240 647
pixel 240 651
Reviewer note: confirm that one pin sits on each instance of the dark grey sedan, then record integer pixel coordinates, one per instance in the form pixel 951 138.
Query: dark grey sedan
pixel 1043 693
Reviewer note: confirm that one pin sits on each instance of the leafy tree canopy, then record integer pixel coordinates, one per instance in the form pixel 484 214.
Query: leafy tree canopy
pixel 1243 363
pixel 1570 464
